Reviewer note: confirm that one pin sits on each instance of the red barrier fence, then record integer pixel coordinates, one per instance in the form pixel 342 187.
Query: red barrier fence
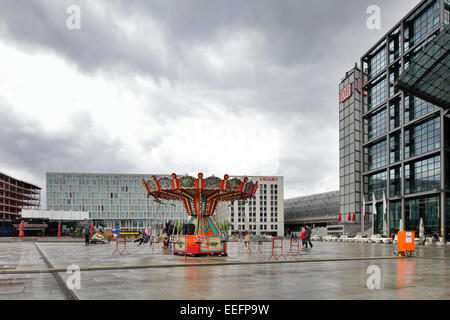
pixel 257 244
pixel 294 247
pixel 280 246
pixel 124 246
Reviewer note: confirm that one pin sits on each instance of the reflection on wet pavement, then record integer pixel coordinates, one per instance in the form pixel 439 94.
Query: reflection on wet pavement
pixel 424 277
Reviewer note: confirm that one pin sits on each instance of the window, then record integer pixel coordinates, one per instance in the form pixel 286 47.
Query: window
pixel 394 45
pixel 422 26
pixel 395 176
pixel 394 72
pixel 377 184
pixel 377 93
pixel 423 175
pixel 415 108
pixel 377 155
pixel 395 152
pixel 377 61
pixel 423 137
pixel 395 214
pixel 394 114
pixel 426 208
pixel 377 124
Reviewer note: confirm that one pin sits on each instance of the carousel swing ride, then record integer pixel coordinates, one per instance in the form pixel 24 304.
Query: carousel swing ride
pixel 200 198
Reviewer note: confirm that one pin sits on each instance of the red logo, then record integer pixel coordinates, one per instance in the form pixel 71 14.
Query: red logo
pixel 345 93
pixel 268 179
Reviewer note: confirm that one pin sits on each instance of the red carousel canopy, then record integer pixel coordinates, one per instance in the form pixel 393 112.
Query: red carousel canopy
pixel 200 195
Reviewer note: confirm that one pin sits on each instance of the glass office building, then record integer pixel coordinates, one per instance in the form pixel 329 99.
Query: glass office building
pixel 350 141
pixel 113 200
pixel 405 139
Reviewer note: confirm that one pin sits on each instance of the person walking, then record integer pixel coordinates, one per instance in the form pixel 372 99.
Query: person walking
pixel 86 233
pixel 308 237
pixel 247 239
pixel 171 231
pixel 302 236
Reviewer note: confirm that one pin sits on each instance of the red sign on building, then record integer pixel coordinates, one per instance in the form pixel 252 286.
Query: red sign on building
pixel 268 179
pixel 345 93
pixel 359 86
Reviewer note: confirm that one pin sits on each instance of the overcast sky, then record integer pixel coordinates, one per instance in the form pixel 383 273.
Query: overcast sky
pixel 244 87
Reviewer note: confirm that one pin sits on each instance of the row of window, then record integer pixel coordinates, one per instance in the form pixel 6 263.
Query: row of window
pixel 93 182
pixel 421 175
pixel 253 227
pixel 414 108
pixel 95 189
pixel 421 138
pixel 94 195
pixel 427 209
pixel 122 215
pixel 422 26
pixel 413 33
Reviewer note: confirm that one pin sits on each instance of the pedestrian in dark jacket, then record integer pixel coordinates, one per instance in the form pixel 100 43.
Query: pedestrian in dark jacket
pixel 87 234
pixel 308 237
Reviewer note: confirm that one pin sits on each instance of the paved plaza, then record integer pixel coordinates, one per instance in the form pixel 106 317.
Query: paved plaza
pixel 327 271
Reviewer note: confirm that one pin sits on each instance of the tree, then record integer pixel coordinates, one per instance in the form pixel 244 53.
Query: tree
pixel 179 226
pixel 226 225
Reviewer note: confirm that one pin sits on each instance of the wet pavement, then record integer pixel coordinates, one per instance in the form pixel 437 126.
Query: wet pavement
pixel 324 272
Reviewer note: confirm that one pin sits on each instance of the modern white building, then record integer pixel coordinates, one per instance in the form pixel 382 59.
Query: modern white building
pixel 112 199
pixel 262 214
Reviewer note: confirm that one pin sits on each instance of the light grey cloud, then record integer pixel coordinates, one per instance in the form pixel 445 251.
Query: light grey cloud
pixel 28 147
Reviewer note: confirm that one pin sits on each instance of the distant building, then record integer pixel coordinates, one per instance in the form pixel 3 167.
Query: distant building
pixel 316 210
pixel 15 195
pixel 113 200
pixel 262 214
pixel 45 222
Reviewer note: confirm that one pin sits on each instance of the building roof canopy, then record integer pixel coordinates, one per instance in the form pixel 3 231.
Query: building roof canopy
pixel 428 76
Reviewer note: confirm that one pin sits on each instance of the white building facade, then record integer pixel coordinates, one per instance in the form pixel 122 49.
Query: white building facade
pixel 262 214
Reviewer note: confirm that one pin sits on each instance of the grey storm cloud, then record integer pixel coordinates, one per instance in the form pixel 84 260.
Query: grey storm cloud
pixel 292 76
pixel 27 145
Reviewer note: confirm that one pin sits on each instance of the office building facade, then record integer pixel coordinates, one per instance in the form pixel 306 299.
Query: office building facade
pixel 404 141
pixel 112 200
pixel 16 195
pixel 262 214
pixel 350 142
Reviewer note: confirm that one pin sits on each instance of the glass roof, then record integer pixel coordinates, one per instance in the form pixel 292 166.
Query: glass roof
pixel 315 205
pixel 428 76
